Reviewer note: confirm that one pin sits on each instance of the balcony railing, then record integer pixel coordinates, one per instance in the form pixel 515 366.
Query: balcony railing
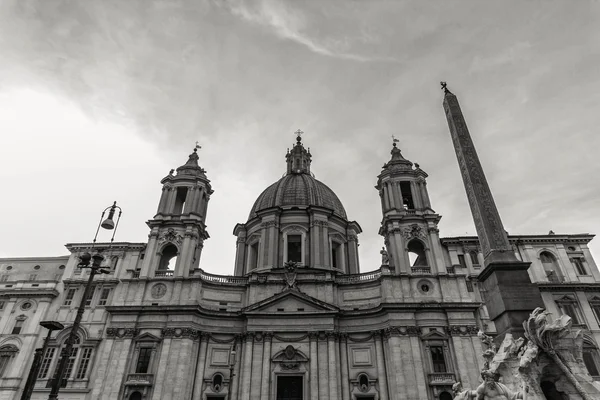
pixel 421 270
pixel 366 277
pixel 442 378
pixel 140 379
pixel 166 273
pixel 451 270
pixel 227 280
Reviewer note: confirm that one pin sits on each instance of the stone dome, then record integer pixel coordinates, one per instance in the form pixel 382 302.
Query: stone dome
pixel 298 189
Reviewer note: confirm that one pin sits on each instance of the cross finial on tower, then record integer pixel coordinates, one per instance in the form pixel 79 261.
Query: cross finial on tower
pixel 298 134
pixel 394 140
pixel 197 147
pixel 445 87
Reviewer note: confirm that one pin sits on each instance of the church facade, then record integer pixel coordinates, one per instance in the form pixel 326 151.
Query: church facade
pixel 296 320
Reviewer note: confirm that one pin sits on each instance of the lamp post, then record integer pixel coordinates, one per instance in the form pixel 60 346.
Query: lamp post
pixel 232 361
pixel 95 268
pixel 37 358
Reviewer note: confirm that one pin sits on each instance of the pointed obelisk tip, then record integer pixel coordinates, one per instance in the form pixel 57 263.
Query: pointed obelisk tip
pixel 445 88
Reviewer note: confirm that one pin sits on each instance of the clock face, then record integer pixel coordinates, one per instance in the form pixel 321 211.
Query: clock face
pixel 158 290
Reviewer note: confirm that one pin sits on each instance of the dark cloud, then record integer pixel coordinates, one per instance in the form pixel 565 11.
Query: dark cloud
pixel 241 76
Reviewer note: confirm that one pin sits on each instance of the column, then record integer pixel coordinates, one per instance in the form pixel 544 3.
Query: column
pixel 417 200
pixel 314 367
pixel 266 365
pixel 331 364
pixel 200 366
pixel 343 350
pixel 273 238
pixel 425 194
pixel 240 255
pixel 396 355
pixel 247 371
pixel 163 200
pixel 323 367
pixel 171 200
pixel 389 194
pixel 381 371
pixel 389 361
pixel 234 382
pixel 257 367
pixel 190 197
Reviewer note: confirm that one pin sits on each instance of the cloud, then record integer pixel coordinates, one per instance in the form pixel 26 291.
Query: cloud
pixel 293 24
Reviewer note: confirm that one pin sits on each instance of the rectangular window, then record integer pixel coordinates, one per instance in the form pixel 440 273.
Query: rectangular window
pixel 104 293
pixel 461 260
pixel 18 326
pixel 86 356
pixel 4 278
pixel 294 248
pixel 88 301
pixel 469 286
pixel 569 309
pixel 2 305
pixel 474 259
pixel 32 277
pixel 4 360
pixel 69 297
pixel 70 363
pixel 143 361
pixel 578 264
pixel 46 361
pixel 590 363
pixel 253 257
pixel 437 358
pixel 335 254
pixel 596 308
pixel 407 198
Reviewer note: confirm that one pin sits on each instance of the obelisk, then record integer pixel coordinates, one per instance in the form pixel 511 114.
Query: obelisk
pixel 510 295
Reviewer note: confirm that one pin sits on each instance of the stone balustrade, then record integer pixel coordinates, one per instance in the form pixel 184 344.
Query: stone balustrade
pixel 165 273
pixel 140 379
pixel 365 277
pixel 442 378
pixel 421 270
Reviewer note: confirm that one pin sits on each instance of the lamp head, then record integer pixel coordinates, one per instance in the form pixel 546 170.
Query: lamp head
pixel 108 223
pixel 52 325
pixel 84 260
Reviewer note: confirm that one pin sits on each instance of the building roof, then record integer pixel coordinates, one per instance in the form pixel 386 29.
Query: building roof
pixel 300 190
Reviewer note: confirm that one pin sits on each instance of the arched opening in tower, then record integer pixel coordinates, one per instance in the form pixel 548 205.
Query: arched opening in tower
pixel 416 254
pixel 168 258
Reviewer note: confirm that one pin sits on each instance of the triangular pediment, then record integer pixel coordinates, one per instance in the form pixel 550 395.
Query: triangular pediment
pixel 147 337
pixel 290 301
pixel 433 335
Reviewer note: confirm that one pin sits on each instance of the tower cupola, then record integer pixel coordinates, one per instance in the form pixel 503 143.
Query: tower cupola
pixel 298 159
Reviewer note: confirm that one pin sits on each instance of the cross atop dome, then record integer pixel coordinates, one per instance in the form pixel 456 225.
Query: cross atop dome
pixel 298 159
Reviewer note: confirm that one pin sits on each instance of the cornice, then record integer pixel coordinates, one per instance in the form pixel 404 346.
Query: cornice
pixel 524 239
pixel 28 292
pixel 568 286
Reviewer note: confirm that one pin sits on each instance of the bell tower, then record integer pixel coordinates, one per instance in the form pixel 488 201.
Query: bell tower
pixel 178 230
pixel 409 224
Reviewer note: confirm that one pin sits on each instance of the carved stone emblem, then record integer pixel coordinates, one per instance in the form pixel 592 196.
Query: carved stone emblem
pixel 171 236
pixel 413 231
pixel 290 274
pixel 158 290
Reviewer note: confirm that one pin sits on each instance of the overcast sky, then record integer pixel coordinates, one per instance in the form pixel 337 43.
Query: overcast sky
pixel 100 99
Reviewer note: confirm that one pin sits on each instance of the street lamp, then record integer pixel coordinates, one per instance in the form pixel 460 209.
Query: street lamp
pixel 95 268
pixel 37 358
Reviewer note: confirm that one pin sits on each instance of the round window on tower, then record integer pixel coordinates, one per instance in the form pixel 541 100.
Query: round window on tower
pixel 425 287
pixel 26 306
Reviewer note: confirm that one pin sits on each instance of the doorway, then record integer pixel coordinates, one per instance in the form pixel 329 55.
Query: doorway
pixel 289 388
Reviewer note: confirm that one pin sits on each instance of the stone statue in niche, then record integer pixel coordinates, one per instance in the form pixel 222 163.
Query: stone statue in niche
pixel 385 258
